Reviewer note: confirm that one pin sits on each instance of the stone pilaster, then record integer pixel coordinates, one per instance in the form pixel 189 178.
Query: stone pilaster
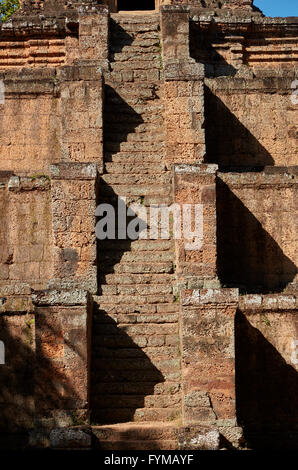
pixel 208 357
pixel 73 208
pixel 81 88
pixel 195 185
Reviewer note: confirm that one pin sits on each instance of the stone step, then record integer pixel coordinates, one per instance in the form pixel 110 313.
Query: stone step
pixel 134 56
pixel 150 374
pixel 136 28
pixel 150 45
pixel 127 168
pixel 136 179
pixel 144 309
pixel 137 190
pixel 136 401
pixel 131 158
pixel 146 147
pixel 138 289
pixel 123 365
pixel 136 256
pixel 135 313
pixel 121 319
pixel 146 94
pixel 127 18
pixel 120 37
pixel 139 245
pixel 164 352
pixel 124 445
pixel 139 341
pixel 132 118
pixel 137 388
pixel 128 279
pixel 148 138
pixel 138 112
pixel 135 65
pixel 136 299
pixel 118 415
pixel 141 268
pixel 137 436
pixel 120 127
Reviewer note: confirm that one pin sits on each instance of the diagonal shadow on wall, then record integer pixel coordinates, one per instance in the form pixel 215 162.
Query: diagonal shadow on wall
pixel 228 142
pixel 32 384
pixel 203 51
pixel 119 38
pixel 266 390
pixel 248 257
pixel 122 374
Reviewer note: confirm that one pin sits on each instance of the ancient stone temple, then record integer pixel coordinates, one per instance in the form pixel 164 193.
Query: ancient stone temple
pixel 167 339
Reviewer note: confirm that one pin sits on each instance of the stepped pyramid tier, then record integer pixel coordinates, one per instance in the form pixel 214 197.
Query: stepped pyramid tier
pixel 148 261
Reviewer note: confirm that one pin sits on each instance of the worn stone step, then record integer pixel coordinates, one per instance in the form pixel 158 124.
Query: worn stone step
pixel 119 35
pixel 131 147
pixel 138 289
pixel 138 388
pixel 136 364
pixel 137 28
pixel 124 127
pixel 129 99
pixel 120 319
pixel 134 328
pixel 130 55
pixel 124 18
pixel 137 341
pixel 139 112
pixel 128 279
pixel 136 157
pixel 141 268
pixel 142 44
pixel 116 415
pixel 161 351
pixel 136 299
pixel 136 77
pixel 137 256
pixel 136 401
pixel 134 137
pixel 134 431
pixel 132 119
pixel 125 445
pixel 135 65
pixel 141 374
pixel 137 436
pixel 136 179
pixel 139 245
pixel 126 168
pixel 142 309
pixel 138 190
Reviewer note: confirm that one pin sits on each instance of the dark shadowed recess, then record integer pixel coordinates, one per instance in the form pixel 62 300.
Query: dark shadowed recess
pixel 248 257
pixel 266 391
pixel 203 51
pixel 32 386
pixel 228 142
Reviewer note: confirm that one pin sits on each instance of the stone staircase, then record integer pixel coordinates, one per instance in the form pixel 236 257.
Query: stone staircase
pixel 135 436
pixel 136 356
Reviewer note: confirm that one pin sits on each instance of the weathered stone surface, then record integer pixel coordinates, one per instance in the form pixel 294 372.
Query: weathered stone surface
pixel 70 438
pixel 193 104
